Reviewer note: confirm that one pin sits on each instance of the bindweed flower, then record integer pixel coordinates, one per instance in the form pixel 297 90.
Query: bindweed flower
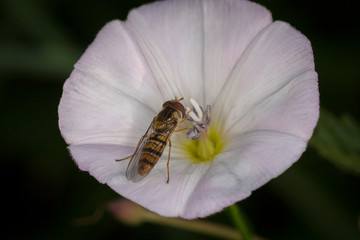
pixel 254 92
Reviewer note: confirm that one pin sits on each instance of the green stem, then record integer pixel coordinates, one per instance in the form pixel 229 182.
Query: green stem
pixel 134 215
pixel 239 222
pixel 199 226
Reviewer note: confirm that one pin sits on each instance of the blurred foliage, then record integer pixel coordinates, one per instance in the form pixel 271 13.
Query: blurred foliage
pixel 338 140
pixel 43 189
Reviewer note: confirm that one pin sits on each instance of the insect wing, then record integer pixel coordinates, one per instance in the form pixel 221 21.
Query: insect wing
pixel 132 172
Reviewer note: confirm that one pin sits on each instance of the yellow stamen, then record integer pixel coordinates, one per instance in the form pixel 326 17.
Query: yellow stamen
pixel 206 147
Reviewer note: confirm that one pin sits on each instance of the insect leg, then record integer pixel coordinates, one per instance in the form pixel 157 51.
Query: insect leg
pixel 186 118
pixel 182 129
pixel 167 165
pixel 118 160
pixel 183 120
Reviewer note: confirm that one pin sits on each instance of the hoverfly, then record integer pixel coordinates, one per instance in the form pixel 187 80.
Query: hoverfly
pixel 153 143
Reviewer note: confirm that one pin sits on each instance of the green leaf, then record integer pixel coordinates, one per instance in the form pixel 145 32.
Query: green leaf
pixel 338 140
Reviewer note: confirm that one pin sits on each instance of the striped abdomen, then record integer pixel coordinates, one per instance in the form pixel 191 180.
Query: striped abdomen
pixel 152 151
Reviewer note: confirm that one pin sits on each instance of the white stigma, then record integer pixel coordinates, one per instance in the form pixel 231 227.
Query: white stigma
pixel 200 118
pixel 196 114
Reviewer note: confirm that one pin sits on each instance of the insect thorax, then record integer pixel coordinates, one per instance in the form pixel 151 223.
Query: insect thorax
pixel 167 119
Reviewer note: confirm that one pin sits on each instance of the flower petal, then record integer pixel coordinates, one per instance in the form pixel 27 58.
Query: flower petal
pixel 115 59
pixel 169 34
pixel 91 111
pixel 187 43
pixel 294 109
pixel 251 160
pixel 194 191
pixel 99 160
pixel 229 28
pixel 165 199
pixel 278 56
pixel 109 90
pixel 152 192
pixel 260 75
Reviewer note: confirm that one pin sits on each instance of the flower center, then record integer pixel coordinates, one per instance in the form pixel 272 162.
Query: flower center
pixel 206 147
pixel 204 142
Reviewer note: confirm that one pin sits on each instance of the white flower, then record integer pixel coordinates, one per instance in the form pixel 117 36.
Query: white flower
pixel 257 75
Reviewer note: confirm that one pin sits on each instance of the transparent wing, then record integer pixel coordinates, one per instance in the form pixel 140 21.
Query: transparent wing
pixel 132 172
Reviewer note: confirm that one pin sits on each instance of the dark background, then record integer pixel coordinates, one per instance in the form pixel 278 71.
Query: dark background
pixel 44 191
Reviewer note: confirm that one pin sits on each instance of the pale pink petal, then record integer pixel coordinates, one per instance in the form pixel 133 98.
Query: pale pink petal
pixel 91 111
pixel 170 36
pixel 228 29
pixel 267 76
pixel 152 192
pixel 99 160
pixel 108 92
pixel 191 46
pixel 155 194
pixel 251 160
pixel 114 59
pixel 259 76
pixel 294 109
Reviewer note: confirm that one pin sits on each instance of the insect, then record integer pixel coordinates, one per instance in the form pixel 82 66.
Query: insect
pixel 153 143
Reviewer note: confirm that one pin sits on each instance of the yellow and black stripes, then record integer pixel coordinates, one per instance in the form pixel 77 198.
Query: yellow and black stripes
pixel 151 152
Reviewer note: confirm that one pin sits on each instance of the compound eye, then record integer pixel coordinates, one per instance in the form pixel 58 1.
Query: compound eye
pixel 167 103
pixel 179 107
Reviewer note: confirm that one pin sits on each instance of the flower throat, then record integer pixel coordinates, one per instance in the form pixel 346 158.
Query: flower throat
pixel 204 142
